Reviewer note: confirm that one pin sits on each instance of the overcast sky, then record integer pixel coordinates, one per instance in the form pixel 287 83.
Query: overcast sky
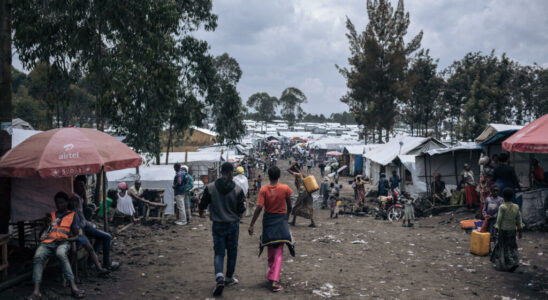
pixel 283 43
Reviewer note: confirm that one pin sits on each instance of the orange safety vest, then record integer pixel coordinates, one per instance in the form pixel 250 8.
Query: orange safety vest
pixel 60 232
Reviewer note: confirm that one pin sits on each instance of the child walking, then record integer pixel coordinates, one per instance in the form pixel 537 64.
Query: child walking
pixel 505 255
pixel 408 212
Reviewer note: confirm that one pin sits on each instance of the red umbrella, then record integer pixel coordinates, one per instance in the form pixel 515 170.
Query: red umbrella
pixel 67 152
pixel 333 153
pixel 532 138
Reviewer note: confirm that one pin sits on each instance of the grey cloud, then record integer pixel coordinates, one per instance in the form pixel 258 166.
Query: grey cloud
pixel 282 43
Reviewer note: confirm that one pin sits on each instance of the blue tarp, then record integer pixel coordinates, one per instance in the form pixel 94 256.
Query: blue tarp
pixel 498 138
pixel 358 164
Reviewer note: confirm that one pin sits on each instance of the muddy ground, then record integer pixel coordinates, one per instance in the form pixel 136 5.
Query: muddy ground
pixel 349 257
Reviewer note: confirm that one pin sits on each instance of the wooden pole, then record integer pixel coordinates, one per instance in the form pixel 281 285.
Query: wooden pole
pixel 104 199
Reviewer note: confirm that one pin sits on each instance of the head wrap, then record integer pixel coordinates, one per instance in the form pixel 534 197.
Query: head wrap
pixel 240 170
pixel 122 185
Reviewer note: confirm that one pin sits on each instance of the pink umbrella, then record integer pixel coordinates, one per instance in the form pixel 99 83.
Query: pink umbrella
pixel 532 138
pixel 273 142
pixel 333 153
pixel 67 152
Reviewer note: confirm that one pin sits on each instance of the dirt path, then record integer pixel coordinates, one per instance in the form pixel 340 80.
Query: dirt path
pixel 349 257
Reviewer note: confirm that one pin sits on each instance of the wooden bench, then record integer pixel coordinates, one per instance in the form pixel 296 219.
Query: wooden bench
pixel 157 205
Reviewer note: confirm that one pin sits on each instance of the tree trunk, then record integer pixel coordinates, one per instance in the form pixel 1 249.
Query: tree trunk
pixel 380 135
pixel 169 137
pixel 387 135
pixel 99 73
pixel 5 107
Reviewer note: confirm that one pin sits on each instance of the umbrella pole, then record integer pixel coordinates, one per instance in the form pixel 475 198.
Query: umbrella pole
pixel 104 200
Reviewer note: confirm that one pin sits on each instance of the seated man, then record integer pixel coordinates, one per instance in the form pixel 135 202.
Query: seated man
pixel 124 203
pixel 64 228
pixel 137 195
pixel 78 204
pixel 438 190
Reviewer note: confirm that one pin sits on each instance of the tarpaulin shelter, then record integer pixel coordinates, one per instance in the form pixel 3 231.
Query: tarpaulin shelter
pixel 382 159
pixel 449 163
pixel 531 140
pixel 492 136
pixel 57 156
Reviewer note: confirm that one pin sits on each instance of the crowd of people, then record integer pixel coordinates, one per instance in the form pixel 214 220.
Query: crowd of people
pixel 230 197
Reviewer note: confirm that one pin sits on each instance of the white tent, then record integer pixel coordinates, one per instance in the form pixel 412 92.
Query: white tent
pixel 159 177
pixel 198 162
pixel 383 156
pixel 19 135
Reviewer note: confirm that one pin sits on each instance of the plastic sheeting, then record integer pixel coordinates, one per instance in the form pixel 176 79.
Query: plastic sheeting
pixel 418 186
pixel 19 135
pixel 153 177
pixel 533 208
pixel 384 154
pixel 32 197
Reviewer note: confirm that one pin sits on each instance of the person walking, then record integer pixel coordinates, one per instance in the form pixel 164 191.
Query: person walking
pixel 241 180
pixel 226 202
pixel 324 191
pixel 275 199
pixel 322 168
pixel 505 256
pixel 304 204
pixel 178 189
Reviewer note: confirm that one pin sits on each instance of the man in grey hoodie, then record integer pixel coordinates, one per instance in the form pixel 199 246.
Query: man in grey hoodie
pixel 226 203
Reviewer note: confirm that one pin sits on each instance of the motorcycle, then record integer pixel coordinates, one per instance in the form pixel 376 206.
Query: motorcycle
pixel 391 207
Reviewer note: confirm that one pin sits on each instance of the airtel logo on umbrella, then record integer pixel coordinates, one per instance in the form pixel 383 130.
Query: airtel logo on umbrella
pixel 67 154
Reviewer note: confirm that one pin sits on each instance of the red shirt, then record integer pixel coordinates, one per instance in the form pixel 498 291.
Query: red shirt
pixel 539 173
pixel 272 197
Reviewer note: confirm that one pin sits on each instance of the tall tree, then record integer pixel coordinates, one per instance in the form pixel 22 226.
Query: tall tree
pixel 377 78
pixel 154 68
pixel 227 108
pixel 264 104
pixel 44 34
pixel 291 100
pixel 423 103
pixel 540 95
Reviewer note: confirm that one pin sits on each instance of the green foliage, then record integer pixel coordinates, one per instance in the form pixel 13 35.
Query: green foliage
pixel 291 100
pixel 377 77
pixel 424 107
pixel 344 118
pixel 228 110
pixel 264 104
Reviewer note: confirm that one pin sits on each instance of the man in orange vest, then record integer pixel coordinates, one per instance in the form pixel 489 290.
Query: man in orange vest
pixel 64 228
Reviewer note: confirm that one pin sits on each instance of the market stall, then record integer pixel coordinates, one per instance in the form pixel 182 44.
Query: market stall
pixel 532 139
pixel 46 163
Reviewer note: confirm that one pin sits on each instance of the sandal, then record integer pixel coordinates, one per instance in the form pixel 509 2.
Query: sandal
pixel 34 296
pixel 78 294
pixel 277 288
